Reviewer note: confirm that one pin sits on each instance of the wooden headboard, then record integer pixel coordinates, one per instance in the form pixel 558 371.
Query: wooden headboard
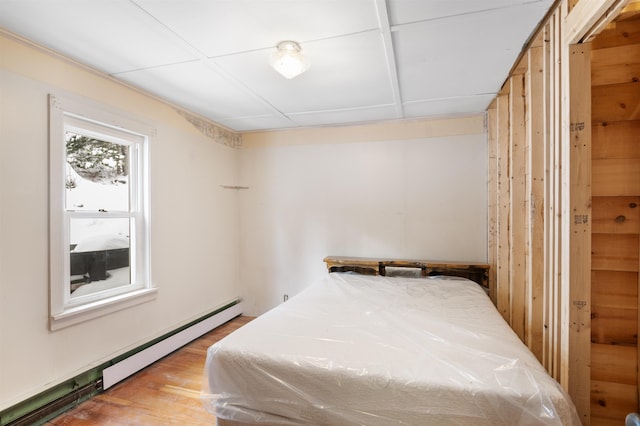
pixel 478 272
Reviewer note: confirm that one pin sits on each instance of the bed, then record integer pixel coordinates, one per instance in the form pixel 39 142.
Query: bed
pixel 381 342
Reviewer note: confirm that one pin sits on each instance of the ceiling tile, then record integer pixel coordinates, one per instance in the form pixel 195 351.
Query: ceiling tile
pixel 199 88
pixel 466 105
pixel 222 27
pixel 408 11
pixel 441 57
pixel 109 35
pixel 348 72
pixel 437 59
pixel 361 115
pixel 254 123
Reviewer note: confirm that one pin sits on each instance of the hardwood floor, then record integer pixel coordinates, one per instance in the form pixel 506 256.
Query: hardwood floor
pixel 165 393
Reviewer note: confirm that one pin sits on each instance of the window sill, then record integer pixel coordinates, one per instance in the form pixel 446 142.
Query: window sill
pixel 77 314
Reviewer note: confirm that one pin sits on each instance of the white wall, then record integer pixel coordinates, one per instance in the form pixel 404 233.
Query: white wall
pixel 404 190
pixel 193 226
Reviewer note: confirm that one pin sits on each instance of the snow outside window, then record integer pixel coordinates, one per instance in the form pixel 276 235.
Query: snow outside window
pixel 99 220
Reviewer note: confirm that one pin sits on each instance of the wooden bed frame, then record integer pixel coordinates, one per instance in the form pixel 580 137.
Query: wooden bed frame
pixel 478 272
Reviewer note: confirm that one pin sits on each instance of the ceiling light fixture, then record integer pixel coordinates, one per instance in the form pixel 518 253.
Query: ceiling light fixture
pixel 288 60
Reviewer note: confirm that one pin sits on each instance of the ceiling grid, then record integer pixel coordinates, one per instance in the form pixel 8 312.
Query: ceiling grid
pixel 371 60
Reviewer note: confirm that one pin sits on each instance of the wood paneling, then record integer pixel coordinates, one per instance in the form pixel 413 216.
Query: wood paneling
pixel 611 402
pixel 616 139
pixel 614 363
pixel 615 252
pixel 619 34
pixel 615 288
pixel 615 70
pixel 614 325
pixel 616 176
pixel 616 102
pixel 616 215
pixel 613 66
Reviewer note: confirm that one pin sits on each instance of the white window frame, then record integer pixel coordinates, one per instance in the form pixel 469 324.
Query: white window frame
pixel 85 117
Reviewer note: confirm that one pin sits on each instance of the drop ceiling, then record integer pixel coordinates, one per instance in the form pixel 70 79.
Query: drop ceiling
pixel 371 60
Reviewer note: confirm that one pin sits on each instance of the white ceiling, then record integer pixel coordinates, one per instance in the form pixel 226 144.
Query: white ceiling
pixel 371 60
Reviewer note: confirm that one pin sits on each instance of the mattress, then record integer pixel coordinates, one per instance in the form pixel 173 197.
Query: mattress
pixel 363 350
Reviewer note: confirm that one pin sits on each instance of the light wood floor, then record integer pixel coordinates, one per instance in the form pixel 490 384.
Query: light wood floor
pixel 165 393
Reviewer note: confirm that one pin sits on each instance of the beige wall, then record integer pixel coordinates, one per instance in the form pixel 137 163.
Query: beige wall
pixel 413 189
pixel 193 226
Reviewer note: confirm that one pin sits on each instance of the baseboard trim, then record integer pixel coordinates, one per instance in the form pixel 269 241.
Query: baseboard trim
pixel 54 401
pixel 129 366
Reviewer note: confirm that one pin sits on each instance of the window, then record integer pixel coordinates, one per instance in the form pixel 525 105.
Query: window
pixel 99 251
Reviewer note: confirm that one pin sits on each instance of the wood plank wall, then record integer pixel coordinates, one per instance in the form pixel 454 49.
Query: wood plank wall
pixel 615 78
pixel 564 184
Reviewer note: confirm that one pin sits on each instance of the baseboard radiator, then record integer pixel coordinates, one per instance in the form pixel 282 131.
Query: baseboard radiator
pixel 44 407
pixel 52 409
pixel 135 363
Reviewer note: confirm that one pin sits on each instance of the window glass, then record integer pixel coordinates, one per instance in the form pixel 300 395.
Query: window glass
pixel 97 174
pixel 99 250
pixel 99 254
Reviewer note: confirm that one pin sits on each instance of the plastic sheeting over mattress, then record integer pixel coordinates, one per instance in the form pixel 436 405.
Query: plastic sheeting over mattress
pixel 362 350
